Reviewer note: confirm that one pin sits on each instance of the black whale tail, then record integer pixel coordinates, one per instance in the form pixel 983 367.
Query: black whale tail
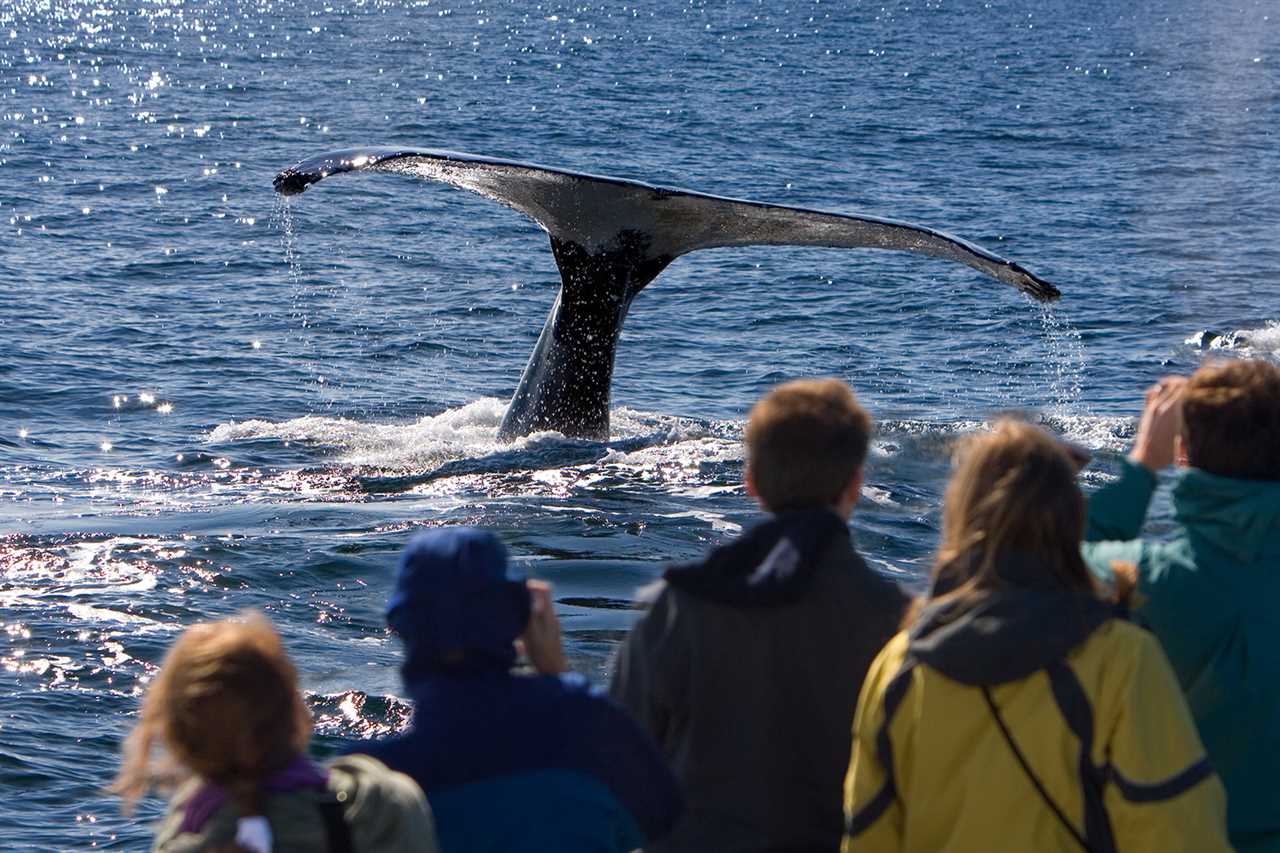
pixel 611 237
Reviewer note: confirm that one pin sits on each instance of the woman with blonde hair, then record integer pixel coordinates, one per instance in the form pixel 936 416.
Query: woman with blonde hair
pixel 1020 711
pixel 226 710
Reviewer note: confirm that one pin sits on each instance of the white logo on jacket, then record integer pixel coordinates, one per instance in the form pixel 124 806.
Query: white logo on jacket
pixel 780 563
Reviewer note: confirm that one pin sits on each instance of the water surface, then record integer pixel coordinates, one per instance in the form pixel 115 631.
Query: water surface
pixel 210 400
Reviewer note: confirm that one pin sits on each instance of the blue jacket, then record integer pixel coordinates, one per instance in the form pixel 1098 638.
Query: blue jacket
pixel 531 763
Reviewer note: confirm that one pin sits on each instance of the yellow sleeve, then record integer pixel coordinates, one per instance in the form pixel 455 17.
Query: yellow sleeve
pixel 1162 794
pixel 872 806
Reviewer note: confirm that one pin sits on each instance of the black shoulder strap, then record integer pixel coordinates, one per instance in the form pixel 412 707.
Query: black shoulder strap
pixel 335 827
pixel 1035 780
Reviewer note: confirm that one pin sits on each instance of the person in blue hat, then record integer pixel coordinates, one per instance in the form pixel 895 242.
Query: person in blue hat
pixel 511 762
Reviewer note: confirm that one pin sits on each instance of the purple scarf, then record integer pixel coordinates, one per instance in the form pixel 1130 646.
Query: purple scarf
pixel 295 776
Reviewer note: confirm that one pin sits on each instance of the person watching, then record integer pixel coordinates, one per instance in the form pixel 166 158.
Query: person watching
pixel 747 664
pixel 511 762
pixel 1020 711
pixel 1208 588
pixel 226 708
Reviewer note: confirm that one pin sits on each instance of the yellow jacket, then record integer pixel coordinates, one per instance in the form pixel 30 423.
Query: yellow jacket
pixel 938 775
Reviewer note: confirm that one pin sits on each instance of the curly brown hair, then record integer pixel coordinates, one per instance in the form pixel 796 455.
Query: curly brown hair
pixel 1231 419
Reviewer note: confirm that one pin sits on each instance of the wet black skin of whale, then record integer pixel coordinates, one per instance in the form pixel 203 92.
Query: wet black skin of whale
pixel 566 385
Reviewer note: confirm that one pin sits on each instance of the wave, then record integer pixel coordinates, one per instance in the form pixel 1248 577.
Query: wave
pixel 457 451
pixel 1262 342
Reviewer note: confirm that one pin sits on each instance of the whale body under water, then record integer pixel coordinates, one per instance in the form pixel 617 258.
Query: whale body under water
pixel 610 238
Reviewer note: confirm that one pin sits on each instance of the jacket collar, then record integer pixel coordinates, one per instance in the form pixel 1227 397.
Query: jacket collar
pixel 299 774
pixel 1242 517
pixel 771 564
pixel 1011 632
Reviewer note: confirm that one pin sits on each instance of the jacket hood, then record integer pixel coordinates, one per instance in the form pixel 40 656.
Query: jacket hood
pixel 458 604
pixel 1011 632
pixel 770 564
pixel 1242 517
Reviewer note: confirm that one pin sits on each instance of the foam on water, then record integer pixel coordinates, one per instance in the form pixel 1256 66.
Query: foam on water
pixel 1097 433
pixel 1261 342
pixel 468 431
pixel 639 441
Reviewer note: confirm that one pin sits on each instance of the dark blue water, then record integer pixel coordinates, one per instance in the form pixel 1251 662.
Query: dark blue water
pixel 211 401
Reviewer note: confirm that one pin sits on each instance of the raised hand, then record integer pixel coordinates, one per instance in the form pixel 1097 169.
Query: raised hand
pixel 1161 424
pixel 541 637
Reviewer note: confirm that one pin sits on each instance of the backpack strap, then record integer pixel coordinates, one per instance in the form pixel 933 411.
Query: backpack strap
pixel 1074 706
pixel 335 827
pixel 1031 774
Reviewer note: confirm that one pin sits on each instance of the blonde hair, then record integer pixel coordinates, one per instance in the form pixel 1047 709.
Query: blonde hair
pixel 806 441
pixel 1013 491
pixel 225 706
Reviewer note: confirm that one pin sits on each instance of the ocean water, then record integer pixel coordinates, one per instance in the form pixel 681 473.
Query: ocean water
pixel 211 399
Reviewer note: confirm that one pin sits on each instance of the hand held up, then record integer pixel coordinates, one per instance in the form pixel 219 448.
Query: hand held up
pixel 541 637
pixel 1161 424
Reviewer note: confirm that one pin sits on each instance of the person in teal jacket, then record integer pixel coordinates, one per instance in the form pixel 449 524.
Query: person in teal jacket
pixel 1210 588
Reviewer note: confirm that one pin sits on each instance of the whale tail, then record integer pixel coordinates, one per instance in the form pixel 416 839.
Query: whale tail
pixel 610 238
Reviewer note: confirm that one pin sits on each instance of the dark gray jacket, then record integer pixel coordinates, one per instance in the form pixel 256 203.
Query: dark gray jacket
pixel 753 703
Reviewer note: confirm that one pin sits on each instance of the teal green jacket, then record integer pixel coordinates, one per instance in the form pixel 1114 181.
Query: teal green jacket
pixel 1211 593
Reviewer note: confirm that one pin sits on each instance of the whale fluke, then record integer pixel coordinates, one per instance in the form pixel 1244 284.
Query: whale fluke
pixel 610 238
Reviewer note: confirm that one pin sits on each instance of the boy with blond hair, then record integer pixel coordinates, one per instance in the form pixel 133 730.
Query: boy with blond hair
pixel 747 666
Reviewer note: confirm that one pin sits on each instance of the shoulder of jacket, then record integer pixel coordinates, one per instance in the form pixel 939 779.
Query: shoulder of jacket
pixel 663 603
pixel 1115 635
pixel 169 837
pixel 845 555
pixel 1113 652
pixel 893 658
pixel 359 776
pixel 369 791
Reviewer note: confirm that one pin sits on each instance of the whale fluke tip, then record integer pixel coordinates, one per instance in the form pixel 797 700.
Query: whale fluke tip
pixel 290 182
pixel 1034 286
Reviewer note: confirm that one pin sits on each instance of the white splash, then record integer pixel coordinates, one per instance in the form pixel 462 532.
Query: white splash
pixel 468 431
pixel 1263 342
pixel 674 449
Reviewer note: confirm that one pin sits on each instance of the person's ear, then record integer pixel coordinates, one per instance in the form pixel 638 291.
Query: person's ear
pixel 1180 452
pixel 752 491
pixel 854 489
pixel 849 497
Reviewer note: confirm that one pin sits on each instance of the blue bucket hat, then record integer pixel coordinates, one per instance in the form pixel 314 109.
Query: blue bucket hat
pixel 458 604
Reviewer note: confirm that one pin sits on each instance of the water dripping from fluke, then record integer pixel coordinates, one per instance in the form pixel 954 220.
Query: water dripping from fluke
pixel 1066 360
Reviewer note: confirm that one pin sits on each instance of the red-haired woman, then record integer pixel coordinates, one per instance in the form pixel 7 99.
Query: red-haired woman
pixel 227 711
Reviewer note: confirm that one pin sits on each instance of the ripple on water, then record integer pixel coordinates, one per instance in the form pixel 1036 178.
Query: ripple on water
pixel 302 387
